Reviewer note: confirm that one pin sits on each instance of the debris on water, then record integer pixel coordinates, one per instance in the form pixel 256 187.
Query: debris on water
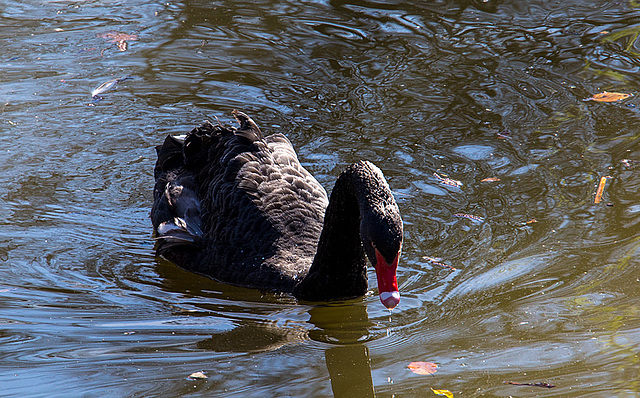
pixel 608 97
pixel 448 181
pixel 544 385
pixel 106 86
pixel 199 51
pixel 504 134
pixel 629 162
pixel 470 217
pixel 600 190
pixel 423 368
pixel 87 49
pixel 437 261
pixel 119 38
pixel 532 221
pixel 490 179
pixel 198 376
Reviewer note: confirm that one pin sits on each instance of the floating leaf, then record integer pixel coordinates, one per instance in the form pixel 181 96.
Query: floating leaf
pixel 490 179
pixel 119 38
pixel 532 221
pixel 446 393
pixel 600 190
pixel 448 181
pixel 608 97
pixel 544 385
pixel 423 368
pixel 198 376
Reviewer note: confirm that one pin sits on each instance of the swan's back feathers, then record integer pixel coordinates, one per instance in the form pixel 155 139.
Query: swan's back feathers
pixel 237 206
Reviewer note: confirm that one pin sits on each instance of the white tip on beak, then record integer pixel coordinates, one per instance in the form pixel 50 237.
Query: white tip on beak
pixel 390 299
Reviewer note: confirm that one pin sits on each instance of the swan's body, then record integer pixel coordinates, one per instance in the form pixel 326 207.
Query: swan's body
pixel 238 207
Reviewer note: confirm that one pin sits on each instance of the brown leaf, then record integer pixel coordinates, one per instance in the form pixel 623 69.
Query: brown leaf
pixel 608 97
pixel 448 181
pixel 119 38
pixel 423 368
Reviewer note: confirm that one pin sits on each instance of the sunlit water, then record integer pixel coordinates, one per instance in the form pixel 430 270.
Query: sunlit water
pixel 546 284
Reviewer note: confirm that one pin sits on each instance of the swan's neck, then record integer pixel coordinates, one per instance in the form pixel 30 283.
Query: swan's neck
pixel 339 269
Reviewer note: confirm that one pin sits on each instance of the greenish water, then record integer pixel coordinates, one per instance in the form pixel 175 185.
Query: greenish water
pixel 545 286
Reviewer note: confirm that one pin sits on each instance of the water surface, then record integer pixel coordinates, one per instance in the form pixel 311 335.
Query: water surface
pixel 545 286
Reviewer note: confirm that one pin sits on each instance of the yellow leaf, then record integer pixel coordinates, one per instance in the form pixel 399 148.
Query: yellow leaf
pixel 446 393
pixel 608 97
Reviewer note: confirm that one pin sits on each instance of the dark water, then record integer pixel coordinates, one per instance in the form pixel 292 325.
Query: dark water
pixel 465 89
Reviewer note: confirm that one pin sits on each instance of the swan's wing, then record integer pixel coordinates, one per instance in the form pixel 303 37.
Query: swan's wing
pixel 195 180
pixel 236 206
pixel 306 191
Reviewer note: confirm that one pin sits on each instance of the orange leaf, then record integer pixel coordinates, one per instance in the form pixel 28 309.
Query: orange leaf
pixel 446 393
pixel 600 191
pixel 490 179
pixel 608 97
pixel 423 368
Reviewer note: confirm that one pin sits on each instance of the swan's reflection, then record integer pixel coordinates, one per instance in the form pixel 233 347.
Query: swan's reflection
pixel 343 326
pixel 347 326
pixel 350 371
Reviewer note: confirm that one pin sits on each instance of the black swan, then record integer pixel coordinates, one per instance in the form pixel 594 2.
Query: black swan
pixel 238 207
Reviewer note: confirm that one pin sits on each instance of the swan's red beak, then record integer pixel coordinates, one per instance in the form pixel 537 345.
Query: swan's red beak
pixel 387 283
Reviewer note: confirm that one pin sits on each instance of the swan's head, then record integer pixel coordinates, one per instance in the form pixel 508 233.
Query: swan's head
pixel 381 233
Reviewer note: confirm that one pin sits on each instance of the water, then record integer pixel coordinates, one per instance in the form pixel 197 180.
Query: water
pixel 545 287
